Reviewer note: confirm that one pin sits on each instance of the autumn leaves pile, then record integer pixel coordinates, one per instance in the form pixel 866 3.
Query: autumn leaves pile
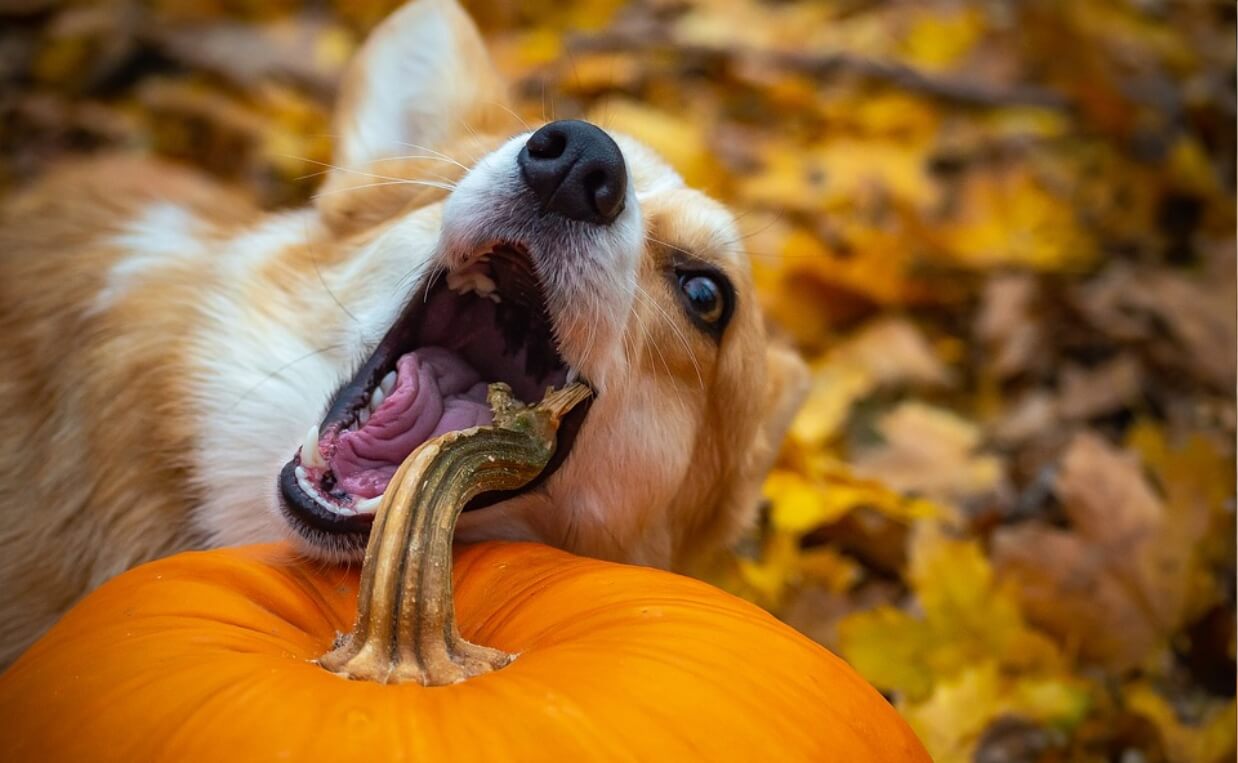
pixel 1002 232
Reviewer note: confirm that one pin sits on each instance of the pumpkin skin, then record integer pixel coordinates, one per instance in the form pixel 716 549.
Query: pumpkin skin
pixel 208 656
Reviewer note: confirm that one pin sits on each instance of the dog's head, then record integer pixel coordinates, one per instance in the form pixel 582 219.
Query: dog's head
pixel 535 254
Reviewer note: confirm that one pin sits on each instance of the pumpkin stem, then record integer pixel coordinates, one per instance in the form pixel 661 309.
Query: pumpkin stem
pixel 406 626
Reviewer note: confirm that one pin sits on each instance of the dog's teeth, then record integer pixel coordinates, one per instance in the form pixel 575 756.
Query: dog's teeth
pixel 364 416
pixel 572 375
pixel 469 280
pixel 367 505
pixel 494 297
pixel 459 281
pixel 376 398
pixel 388 383
pixel 304 482
pixel 483 284
pixel 309 450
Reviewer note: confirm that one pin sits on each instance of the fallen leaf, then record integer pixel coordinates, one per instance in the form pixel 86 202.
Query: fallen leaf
pixel 893 351
pixel 1007 325
pixel 1180 322
pixel 1209 739
pixel 952 720
pixel 1106 389
pixel 932 452
pixel 965 656
pixel 1113 586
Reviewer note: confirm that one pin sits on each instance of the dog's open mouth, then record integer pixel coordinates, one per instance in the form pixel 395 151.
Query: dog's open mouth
pixel 486 322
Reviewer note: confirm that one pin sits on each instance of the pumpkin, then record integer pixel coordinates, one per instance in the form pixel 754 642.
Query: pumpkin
pixel 236 654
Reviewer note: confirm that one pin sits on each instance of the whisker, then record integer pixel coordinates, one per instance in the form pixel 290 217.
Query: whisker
pixel 661 357
pixel 678 334
pixel 328 167
pixel 281 370
pixel 511 111
pixel 318 270
pixel 426 183
pixel 350 170
pixel 433 152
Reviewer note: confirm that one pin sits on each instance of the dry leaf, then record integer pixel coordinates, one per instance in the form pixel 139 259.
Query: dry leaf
pixel 1008 327
pixel 1108 388
pixel 931 452
pixel 1114 585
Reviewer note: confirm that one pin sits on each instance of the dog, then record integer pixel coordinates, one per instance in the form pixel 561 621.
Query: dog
pixel 183 370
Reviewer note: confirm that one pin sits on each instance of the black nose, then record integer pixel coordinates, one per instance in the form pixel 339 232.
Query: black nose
pixel 576 170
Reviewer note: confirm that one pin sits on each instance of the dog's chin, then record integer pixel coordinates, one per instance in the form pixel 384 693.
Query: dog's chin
pixel 482 323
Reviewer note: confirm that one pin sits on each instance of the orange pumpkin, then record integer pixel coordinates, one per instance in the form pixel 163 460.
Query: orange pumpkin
pixel 235 654
pixel 209 656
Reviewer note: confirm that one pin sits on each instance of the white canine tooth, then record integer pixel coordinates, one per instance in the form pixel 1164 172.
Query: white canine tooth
pixel 377 398
pixel 483 284
pixel 388 383
pixel 494 297
pixel 572 375
pixel 367 505
pixel 364 416
pixel 309 450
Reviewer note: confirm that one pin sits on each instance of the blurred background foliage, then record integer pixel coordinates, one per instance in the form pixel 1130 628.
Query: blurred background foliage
pixel 1002 231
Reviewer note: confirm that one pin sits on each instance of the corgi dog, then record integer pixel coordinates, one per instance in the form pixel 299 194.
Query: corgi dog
pixel 183 370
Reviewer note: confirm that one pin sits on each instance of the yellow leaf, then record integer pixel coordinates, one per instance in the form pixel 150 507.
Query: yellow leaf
pixel 966 618
pixel 843 486
pixel 1190 167
pixel 891 649
pixel 835 388
pixel 769 577
pixel 938 41
pixel 1009 218
pixel 799 505
pixel 1210 740
pixel 951 721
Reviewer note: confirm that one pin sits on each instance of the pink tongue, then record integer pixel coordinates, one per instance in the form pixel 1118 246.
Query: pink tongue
pixel 436 391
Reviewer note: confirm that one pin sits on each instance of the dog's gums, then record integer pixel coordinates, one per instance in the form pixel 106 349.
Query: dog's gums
pixel 485 322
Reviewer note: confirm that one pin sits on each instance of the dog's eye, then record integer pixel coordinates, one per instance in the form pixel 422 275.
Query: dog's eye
pixel 705 295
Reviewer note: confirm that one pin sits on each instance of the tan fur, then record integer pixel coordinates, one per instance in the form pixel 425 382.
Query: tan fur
pixel 113 392
pixel 94 483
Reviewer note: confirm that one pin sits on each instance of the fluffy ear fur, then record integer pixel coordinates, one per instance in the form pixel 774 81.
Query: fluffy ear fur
pixel 422 78
pixel 786 385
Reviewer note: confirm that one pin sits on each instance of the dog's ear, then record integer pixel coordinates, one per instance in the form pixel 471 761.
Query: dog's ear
pixel 739 495
pixel 786 386
pixel 422 78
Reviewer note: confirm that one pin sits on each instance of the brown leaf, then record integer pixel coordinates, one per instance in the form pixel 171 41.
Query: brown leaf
pixel 1026 418
pixel 894 351
pixel 1090 392
pixel 1183 323
pixel 1113 585
pixel 1007 327
pixel 931 452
